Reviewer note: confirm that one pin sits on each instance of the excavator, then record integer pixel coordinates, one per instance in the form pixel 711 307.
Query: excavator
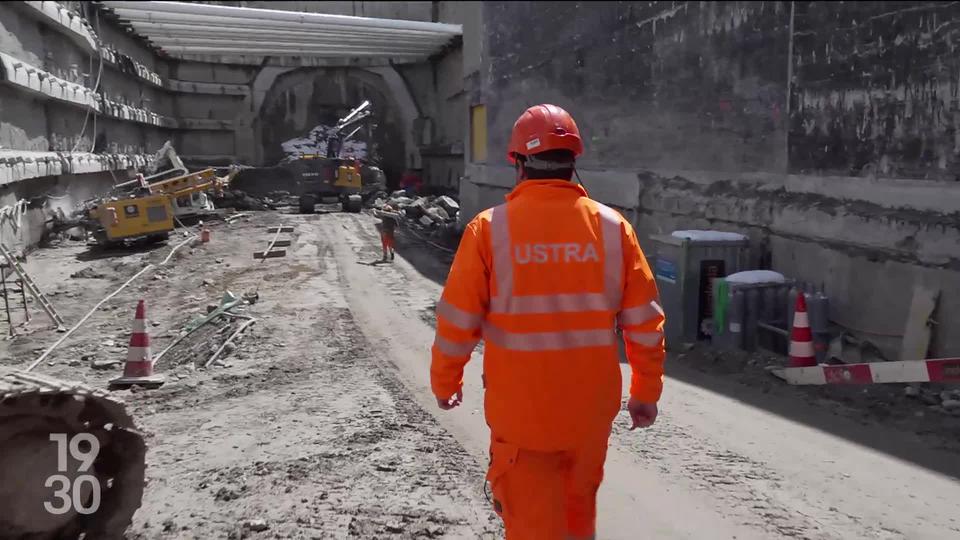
pixel 146 208
pixel 314 176
pixel 330 175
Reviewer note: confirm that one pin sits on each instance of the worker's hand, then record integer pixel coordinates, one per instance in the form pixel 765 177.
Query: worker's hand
pixel 451 402
pixel 642 414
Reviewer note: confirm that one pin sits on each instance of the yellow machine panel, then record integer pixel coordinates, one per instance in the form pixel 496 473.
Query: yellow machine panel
pixel 348 177
pixel 136 217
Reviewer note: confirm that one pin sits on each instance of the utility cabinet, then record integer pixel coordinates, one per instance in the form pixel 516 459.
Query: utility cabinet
pixel 685 264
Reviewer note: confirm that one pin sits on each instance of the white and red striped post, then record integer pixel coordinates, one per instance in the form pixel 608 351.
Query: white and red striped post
pixel 138 369
pixel 801 338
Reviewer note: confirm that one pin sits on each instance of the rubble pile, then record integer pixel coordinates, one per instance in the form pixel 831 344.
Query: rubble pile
pixel 935 397
pixel 240 200
pixel 431 216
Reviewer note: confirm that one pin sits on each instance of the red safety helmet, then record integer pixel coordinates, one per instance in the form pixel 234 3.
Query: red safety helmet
pixel 541 128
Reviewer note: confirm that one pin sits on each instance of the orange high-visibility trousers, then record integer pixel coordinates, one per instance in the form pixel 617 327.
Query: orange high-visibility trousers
pixel 386 240
pixel 546 495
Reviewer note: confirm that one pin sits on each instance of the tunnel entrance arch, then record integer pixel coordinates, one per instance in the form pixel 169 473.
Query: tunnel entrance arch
pixel 289 102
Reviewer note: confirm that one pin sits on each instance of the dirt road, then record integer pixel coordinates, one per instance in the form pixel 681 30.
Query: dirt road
pixel 320 425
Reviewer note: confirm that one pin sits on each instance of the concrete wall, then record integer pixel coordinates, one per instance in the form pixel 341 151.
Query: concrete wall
pixel 875 90
pixel 31 124
pixel 684 109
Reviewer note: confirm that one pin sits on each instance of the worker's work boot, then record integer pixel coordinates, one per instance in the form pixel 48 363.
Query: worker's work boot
pixel 393 254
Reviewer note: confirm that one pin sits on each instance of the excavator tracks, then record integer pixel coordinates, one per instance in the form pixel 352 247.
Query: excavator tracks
pixel 32 408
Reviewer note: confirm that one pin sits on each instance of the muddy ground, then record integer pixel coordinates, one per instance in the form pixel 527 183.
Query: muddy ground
pixel 304 426
pixel 319 425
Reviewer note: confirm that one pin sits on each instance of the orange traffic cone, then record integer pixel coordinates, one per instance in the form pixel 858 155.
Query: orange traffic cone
pixel 801 338
pixel 138 369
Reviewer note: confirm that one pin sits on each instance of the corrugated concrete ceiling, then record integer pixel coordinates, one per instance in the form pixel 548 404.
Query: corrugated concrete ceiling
pixel 206 32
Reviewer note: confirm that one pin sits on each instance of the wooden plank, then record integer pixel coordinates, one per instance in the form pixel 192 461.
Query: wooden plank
pixel 916 336
pixel 274 230
pixel 272 254
pixel 282 243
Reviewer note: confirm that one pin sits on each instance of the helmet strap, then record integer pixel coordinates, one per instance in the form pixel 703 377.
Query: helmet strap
pixel 580 180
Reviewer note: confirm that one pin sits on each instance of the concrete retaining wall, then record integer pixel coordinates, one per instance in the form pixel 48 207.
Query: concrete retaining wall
pixel 767 118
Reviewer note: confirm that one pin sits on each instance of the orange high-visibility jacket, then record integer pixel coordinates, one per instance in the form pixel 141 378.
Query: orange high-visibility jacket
pixel 543 280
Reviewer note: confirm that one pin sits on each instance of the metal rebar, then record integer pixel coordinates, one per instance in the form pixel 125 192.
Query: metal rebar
pixel 243 326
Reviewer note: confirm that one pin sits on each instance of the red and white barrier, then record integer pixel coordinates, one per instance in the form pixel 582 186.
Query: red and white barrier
pixel 942 370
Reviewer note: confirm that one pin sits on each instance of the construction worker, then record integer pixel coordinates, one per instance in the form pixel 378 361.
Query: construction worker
pixel 544 279
pixel 388 225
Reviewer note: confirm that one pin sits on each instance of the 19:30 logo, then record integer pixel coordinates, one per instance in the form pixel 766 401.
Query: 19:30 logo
pixel 82 493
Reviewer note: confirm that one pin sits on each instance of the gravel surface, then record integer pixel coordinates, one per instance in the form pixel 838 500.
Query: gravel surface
pixel 319 422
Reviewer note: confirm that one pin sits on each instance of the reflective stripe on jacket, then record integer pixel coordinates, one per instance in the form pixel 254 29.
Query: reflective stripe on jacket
pixel 543 280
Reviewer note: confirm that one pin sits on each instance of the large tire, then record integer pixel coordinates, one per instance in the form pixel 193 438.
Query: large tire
pixel 31 408
pixel 307 204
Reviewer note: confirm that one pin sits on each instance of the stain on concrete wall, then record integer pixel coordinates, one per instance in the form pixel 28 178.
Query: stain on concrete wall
pixel 693 85
pixel 876 89
pixel 215 73
pixel 470 16
pixel 208 106
pixel 204 142
pixel 20 35
pixel 23 123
